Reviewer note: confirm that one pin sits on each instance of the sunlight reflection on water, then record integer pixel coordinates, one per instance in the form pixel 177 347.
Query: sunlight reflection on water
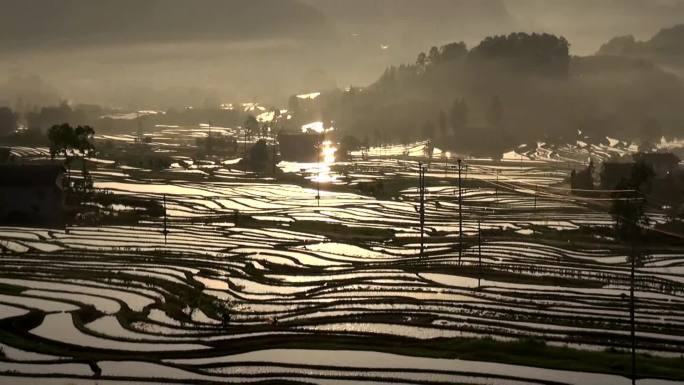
pixel 320 172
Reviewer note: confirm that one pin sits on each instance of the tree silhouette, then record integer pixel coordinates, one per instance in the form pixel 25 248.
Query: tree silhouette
pixel 67 140
pixel 434 56
pixel 453 51
pixel 72 143
pixel 629 202
pixel 8 121
pixel 459 115
pixel 251 127
pixel 251 124
pixel 258 155
pixel 523 53
pixel 421 61
pixel 442 123
pixel 495 112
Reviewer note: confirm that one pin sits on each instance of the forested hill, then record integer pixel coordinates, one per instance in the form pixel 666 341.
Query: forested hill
pixel 508 90
pixel 665 48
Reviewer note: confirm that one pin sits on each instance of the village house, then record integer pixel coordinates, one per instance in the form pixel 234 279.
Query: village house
pixel 31 195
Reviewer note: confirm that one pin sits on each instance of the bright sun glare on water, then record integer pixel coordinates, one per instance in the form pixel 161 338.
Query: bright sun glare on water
pixel 328 151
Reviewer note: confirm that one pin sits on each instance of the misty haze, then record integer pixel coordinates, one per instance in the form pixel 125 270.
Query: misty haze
pixel 342 192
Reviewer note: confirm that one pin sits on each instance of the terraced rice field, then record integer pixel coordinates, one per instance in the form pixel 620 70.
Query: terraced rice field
pixel 255 282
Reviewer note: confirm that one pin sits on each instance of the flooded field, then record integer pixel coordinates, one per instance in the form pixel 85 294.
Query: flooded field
pixel 259 280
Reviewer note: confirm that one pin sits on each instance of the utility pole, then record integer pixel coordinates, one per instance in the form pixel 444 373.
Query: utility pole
pixel 479 252
pixel 536 190
pixel 141 133
pixel 496 191
pixel 210 140
pixel 318 180
pixel 421 210
pixel 245 141
pixel 460 214
pixel 632 311
pixel 166 229
pixel 318 186
pixel 275 155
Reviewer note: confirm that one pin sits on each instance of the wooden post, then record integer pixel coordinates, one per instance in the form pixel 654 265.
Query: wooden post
pixel 631 313
pixel 210 140
pixel 479 252
pixel 496 191
pixel 166 229
pixel 318 180
pixel 275 155
pixel 460 214
pixel 245 128
pixel 421 193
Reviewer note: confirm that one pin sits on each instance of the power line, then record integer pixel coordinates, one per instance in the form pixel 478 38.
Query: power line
pixel 577 199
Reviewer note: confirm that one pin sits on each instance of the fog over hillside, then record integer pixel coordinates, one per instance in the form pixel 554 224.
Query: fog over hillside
pixel 589 23
pixel 163 53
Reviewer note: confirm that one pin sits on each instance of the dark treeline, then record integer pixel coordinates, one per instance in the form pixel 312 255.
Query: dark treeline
pixel 506 91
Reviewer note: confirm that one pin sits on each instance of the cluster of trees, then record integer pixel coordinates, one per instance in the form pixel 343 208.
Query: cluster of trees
pixel 508 90
pixel 73 142
pixel 67 140
pixel 251 127
pixel 522 54
pixel 259 156
pixel 263 129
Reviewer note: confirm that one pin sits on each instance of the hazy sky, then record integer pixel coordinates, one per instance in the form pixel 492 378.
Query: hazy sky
pixel 157 53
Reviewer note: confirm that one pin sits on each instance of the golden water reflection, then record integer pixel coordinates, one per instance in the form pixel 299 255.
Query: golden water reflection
pixel 319 172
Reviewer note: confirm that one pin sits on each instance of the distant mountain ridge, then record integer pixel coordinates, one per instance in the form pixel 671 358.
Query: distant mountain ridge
pixel 665 48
